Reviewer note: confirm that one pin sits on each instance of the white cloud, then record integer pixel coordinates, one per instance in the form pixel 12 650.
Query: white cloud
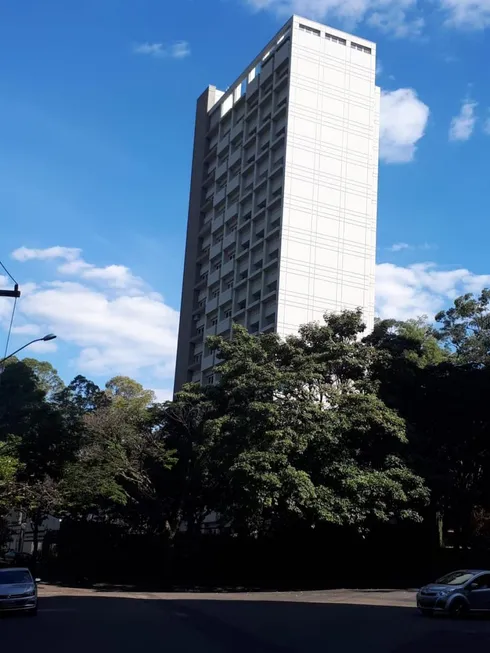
pixel 180 50
pixel 116 276
pixel 27 329
pixel 119 324
pixel 27 254
pixel 398 247
pixel 394 21
pixel 463 124
pixel 388 14
pixel 467 14
pixel 177 50
pixel 399 18
pixel 163 394
pixel 42 347
pixel 403 121
pixel 421 289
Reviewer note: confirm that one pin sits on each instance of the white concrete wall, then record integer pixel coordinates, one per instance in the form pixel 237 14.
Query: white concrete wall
pixel 330 197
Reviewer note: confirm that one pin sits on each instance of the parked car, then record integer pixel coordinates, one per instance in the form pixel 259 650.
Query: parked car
pixel 457 593
pixel 18 590
pixel 15 559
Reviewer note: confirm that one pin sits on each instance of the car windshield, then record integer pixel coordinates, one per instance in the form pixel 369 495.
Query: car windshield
pixel 14 576
pixel 455 578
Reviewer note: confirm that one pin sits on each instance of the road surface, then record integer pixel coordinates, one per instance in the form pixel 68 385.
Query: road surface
pixel 328 622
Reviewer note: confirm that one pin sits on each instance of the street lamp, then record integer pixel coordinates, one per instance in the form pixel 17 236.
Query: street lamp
pixel 46 338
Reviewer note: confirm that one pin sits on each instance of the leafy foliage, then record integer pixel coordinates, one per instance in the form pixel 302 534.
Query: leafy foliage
pixel 325 428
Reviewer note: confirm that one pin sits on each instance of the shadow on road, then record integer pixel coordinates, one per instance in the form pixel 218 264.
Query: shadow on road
pixel 94 623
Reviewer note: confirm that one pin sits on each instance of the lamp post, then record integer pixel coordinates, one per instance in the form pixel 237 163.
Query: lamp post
pixel 46 338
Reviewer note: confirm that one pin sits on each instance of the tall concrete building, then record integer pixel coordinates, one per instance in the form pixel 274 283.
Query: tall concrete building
pixel 282 215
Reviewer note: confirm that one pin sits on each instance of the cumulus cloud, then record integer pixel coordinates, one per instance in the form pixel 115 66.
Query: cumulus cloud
pixel 403 120
pixel 463 125
pixel 177 50
pixel 421 289
pixel 118 323
pixel 116 276
pixel 27 254
pixel 399 18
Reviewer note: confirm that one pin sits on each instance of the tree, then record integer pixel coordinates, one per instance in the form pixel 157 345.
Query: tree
pixel 465 328
pixel 113 472
pixel 9 466
pixel 47 377
pixel 189 487
pixel 301 434
pixel 21 400
pixel 127 394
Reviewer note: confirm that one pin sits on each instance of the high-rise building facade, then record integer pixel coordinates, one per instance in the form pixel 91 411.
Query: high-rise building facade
pixel 282 215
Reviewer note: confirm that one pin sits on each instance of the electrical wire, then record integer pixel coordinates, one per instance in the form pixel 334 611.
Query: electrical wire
pixel 8 273
pixel 10 327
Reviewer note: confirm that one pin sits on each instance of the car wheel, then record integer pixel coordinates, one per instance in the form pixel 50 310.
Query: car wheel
pixel 458 609
pixel 426 612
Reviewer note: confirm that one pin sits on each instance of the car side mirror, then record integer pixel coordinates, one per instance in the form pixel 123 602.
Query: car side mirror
pixel 473 586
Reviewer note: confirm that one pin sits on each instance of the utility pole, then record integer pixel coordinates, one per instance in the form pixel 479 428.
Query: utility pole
pixel 11 293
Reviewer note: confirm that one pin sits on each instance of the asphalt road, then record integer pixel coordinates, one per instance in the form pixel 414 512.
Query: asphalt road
pixel 331 621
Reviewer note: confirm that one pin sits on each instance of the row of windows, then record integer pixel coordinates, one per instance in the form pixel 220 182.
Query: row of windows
pixel 334 39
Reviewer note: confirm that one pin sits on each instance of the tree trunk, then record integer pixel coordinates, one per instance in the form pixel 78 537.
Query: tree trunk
pixel 440 528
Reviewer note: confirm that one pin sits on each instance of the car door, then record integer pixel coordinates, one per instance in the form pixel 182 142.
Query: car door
pixel 479 593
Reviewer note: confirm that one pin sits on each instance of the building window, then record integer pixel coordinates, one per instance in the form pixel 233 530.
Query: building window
pixel 217 266
pixel 200 330
pixel 227 314
pixel 210 379
pixel 215 293
pixel 197 358
pixel 335 39
pixel 229 285
pixel 214 321
pixel 361 48
pixel 310 30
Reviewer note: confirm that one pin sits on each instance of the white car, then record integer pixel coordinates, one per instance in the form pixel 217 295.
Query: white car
pixel 18 590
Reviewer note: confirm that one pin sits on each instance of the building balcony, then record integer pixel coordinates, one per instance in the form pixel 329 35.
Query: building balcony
pixel 235 157
pixel 215 250
pixel 227 268
pixel 217 223
pixel 212 305
pixel 223 144
pixel 229 240
pixel 221 171
pixel 219 196
pixel 236 131
pixel 223 326
pixel 208 361
pixel 225 296
pixel 231 211
pixel 214 277
pixel 233 184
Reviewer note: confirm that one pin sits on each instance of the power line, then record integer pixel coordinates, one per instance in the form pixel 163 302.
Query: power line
pixel 8 273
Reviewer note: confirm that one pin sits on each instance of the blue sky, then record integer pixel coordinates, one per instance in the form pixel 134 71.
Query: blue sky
pixel 96 122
